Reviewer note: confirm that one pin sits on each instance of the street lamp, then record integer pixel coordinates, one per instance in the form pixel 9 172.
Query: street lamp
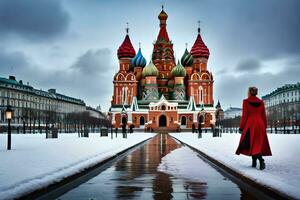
pixel 8 115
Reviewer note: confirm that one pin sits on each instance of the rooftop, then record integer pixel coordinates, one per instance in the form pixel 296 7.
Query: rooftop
pixel 11 82
pixel 284 88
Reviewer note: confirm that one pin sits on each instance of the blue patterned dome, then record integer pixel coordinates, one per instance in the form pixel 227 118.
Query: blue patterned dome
pixel 138 60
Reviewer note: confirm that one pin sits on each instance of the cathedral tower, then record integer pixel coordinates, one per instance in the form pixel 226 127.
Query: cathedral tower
pixel 163 55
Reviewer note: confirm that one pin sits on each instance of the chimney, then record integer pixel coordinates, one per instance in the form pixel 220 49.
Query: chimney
pixel 12 78
pixel 53 91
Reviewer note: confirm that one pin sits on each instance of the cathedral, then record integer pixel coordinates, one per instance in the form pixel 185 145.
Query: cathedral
pixel 163 93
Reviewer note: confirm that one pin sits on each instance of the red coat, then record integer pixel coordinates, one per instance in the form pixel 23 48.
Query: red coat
pixel 253 124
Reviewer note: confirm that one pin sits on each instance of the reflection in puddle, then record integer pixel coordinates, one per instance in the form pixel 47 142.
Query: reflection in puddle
pixel 136 176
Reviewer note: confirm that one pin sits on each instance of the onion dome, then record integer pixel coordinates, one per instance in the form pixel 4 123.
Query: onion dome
pixel 178 70
pixel 138 60
pixel 162 15
pixel 126 49
pixel 150 70
pixel 199 49
pixel 187 59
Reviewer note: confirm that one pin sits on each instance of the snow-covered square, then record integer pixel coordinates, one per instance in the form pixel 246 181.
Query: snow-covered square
pixel 35 162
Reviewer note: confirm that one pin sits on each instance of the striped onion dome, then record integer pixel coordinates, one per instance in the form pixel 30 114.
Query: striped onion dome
pixel 187 59
pixel 150 70
pixel 178 70
pixel 138 60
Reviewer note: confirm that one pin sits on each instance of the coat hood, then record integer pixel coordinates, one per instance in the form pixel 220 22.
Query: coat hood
pixel 254 101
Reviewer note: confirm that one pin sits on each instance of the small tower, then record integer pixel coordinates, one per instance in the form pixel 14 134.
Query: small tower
pixel 200 53
pixel 187 61
pixel 150 73
pixel 125 53
pixel 138 63
pixel 219 112
pixel 125 84
pixel 179 89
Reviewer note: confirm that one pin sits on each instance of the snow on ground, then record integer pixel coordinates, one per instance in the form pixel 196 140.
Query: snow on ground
pixel 282 169
pixel 184 163
pixel 35 162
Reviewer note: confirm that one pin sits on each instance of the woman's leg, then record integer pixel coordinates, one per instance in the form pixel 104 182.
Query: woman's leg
pixel 254 158
pixel 262 164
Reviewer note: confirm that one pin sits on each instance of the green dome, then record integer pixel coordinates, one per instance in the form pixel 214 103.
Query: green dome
pixel 187 59
pixel 150 70
pixel 178 70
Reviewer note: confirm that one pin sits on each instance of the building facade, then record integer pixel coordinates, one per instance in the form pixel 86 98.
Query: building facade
pixel 165 94
pixel 289 93
pixel 34 106
pixel 283 106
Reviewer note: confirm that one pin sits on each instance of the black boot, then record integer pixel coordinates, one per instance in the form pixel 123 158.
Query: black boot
pixel 254 159
pixel 262 164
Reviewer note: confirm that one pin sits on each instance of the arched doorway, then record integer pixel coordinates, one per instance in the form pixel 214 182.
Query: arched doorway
pixel 142 121
pixel 162 121
pixel 183 121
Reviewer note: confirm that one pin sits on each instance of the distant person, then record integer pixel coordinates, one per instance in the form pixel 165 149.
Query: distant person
pixel 131 128
pixel 193 128
pixel 254 141
pixel 199 130
pixel 124 130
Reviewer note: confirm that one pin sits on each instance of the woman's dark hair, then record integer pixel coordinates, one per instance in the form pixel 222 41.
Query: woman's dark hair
pixel 253 91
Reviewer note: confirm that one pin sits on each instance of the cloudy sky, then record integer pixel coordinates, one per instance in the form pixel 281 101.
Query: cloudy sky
pixel 71 45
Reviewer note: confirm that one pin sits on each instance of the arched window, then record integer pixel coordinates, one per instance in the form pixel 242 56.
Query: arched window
pixel 200 95
pixel 124 95
pixel 163 107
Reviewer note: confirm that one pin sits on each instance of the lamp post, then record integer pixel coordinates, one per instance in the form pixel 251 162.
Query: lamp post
pixel 8 115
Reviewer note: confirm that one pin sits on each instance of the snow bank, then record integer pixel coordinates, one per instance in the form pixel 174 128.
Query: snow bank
pixel 184 163
pixel 35 162
pixel 282 169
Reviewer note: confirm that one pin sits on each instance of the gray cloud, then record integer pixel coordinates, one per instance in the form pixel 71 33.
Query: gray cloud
pixel 89 78
pixel 93 61
pixel 31 19
pixel 243 37
pixel 248 65
pixel 11 61
pixel 231 89
pixel 258 28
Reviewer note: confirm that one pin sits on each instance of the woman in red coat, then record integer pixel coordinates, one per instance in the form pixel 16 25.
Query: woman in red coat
pixel 254 141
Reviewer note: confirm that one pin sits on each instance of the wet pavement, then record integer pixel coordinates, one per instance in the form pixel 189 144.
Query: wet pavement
pixel 137 176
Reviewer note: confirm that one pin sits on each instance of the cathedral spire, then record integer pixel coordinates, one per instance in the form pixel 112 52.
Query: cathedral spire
pixel 163 34
pixel 127 28
pixel 126 49
pixel 199 48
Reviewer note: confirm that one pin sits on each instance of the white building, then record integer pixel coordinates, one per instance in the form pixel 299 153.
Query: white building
pixel 232 112
pixel 289 93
